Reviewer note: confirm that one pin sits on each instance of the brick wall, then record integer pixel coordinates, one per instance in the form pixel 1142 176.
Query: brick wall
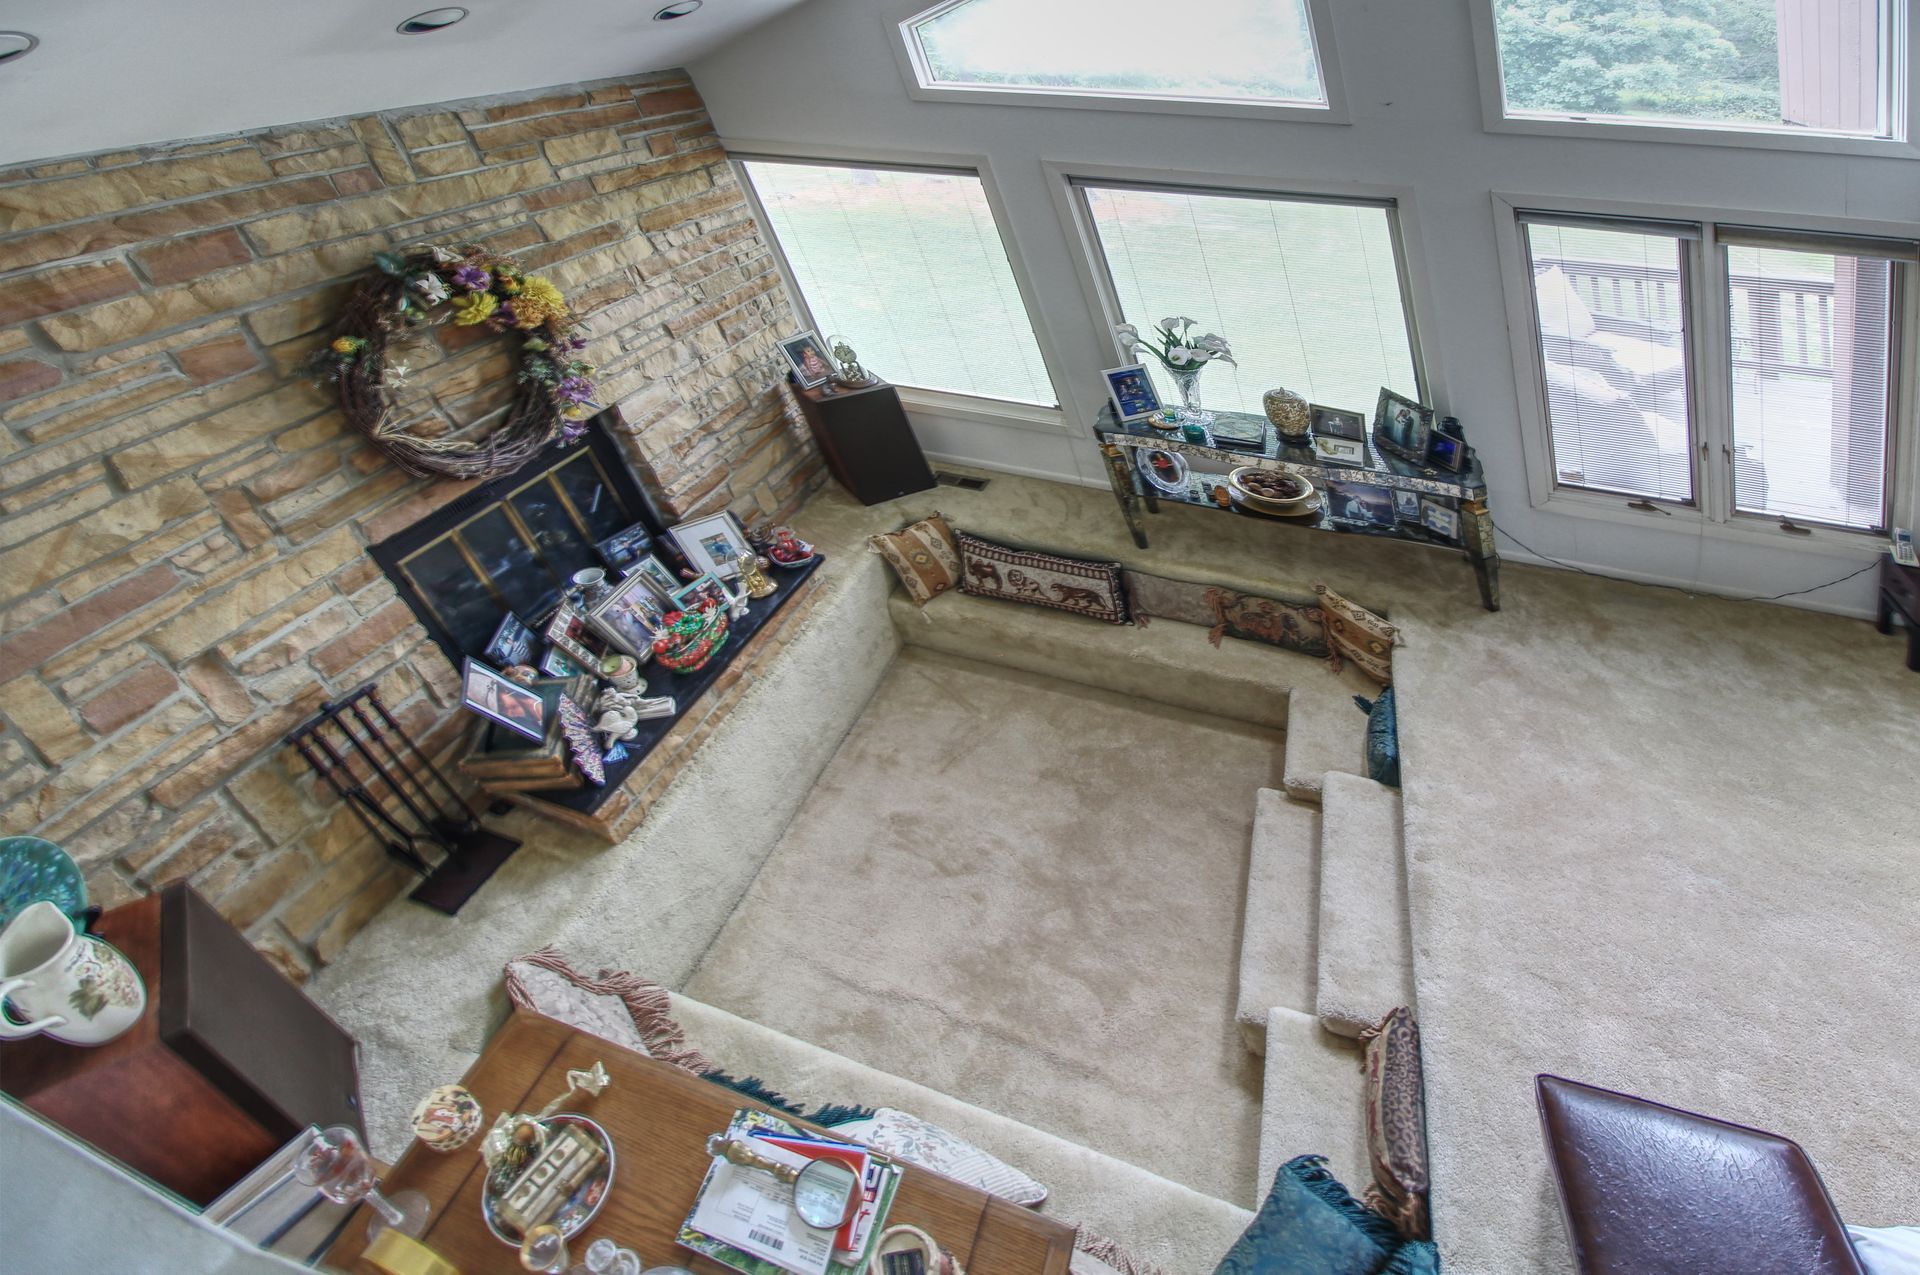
pixel 182 565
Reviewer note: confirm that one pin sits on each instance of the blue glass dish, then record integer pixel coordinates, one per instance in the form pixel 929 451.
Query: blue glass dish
pixel 32 870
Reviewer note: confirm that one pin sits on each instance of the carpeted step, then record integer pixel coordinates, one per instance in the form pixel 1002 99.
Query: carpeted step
pixel 1168 663
pixel 1277 960
pixel 1325 732
pixel 1365 945
pixel 1314 1101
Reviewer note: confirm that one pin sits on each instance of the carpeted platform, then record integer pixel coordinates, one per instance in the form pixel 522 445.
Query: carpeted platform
pixel 1026 894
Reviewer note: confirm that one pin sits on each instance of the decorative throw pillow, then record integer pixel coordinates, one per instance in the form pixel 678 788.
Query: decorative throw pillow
pixel 921 1142
pixel 1165 598
pixel 1397 1123
pixel 1095 1254
pixel 1357 634
pixel 1092 589
pixel 622 1008
pixel 1293 626
pixel 922 554
pixel 1309 1225
pixel 1383 738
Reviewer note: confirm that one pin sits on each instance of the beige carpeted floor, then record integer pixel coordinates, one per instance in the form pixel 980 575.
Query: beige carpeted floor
pixel 1025 894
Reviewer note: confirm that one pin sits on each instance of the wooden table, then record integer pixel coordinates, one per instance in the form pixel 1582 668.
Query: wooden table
pixel 1900 591
pixel 659 1118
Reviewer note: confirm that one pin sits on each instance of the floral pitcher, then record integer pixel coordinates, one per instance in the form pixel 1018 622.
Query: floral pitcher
pixel 72 986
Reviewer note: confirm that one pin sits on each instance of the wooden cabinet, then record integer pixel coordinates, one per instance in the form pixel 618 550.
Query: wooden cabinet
pixel 864 435
pixel 229 1062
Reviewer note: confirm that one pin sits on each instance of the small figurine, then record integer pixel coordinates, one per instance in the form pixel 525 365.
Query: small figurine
pixel 850 373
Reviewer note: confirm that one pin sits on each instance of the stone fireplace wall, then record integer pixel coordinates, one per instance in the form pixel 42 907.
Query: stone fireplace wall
pixel 182 565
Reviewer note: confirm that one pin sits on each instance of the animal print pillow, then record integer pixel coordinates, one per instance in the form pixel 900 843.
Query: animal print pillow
pixel 1092 589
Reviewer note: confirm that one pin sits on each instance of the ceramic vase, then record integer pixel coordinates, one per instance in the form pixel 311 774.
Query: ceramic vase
pixel 70 985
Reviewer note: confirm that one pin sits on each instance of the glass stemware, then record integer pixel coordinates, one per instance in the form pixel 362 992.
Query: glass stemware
pixel 335 1164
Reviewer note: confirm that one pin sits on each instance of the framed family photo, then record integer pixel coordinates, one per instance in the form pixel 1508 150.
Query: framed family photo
pixel 500 699
pixel 1131 391
pixel 1331 422
pixel 568 633
pixel 624 548
pixel 807 355
pixel 712 544
pixel 1402 426
pixel 630 615
pixel 1361 504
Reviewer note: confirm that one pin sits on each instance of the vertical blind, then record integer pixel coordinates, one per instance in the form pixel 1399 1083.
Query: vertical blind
pixel 1610 306
pixel 1307 292
pixel 909 267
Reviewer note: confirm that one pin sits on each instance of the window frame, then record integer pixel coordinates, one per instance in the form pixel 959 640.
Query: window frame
pixel 1012 413
pixel 899 19
pixel 1900 54
pixel 1103 304
pixel 1712 515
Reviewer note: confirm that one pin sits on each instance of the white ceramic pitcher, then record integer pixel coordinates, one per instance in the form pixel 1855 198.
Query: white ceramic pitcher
pixel 70 985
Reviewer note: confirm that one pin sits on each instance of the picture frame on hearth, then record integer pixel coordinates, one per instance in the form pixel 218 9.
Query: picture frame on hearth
pixel 511 643
pixel 1333 422
pixel 688 595
pixel 630 616
pixel 713 544
pixel 1441 516
pixel 623 549
pixel 1352 504
pixel 1131 392
pixel 806 356
pixel 569 633
pixel 664 581
pixel 1340 451
pixel 498 698
pixel 1402 426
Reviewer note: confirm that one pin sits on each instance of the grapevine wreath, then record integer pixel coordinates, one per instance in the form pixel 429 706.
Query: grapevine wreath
pixel 470 287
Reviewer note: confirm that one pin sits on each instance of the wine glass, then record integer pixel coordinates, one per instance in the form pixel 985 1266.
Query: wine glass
pixel 335 1164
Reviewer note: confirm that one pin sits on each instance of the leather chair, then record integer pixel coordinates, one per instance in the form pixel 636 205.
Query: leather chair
pixel 1653 1190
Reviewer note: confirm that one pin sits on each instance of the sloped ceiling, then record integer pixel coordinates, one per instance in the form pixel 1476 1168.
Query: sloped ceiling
pixel 116 73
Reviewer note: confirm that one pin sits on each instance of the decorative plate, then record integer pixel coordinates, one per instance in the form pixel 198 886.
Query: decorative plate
pixel 1165 470
pixel 32 870
pixel 578 1209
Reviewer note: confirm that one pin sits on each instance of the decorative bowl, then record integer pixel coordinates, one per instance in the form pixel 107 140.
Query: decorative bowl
pixel 1268 491
pixel 578 1209
pixel 31 870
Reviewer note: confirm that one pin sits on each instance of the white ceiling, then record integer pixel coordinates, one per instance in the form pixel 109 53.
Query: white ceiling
pixel 116 73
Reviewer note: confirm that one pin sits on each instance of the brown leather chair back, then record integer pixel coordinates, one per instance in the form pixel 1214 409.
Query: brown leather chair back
pixel 1653 1190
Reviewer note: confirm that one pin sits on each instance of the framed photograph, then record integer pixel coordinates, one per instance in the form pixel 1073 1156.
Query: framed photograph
pixel 624 548
pixel 1402 426
pixel 569 633
pixel 688 595
pixel 630 615
pixel 714 544
pixel 1331 422
pixel 1406 506
pixel 664 581
pixel 1360 504
pixel 1444 451
pixel 1340 451
pixel 556 664
pixel 1131 391
pixel 807 356
pixel 1440 517
pixel 512 643
pixel 499 699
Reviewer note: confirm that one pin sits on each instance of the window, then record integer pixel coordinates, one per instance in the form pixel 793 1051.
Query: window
pixel 908 265
pixel 1611 316
pixel 1796 66
pixel 1308 291
pixel 1772 393
pixel 1236 51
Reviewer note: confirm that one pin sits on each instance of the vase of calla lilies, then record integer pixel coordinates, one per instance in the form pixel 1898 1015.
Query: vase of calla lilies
pixel 1184 355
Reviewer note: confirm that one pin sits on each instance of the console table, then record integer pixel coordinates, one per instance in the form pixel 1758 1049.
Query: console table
pixel 1900 591
pixel 659 1117
pixel 1120 442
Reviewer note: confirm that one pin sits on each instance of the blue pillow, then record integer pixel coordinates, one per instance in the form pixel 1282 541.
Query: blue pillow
pixel 1310 1225
pixel 1383 738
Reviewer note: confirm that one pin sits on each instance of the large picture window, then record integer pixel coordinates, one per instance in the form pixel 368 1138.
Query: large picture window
pixel 1769 392
pixel 909 266
pixel 1309 292
pixel 1779 66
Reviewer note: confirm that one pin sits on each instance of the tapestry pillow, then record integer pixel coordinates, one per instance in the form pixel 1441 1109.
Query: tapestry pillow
pixel 926 1144
pixel 1095 1254
pixel 1357 634
pixel 1397 1123
pixel 1092 589
pixel 1309 1225
pixel 1383 738
pixel 922 554
pixel 622 1008
pixel 1296 626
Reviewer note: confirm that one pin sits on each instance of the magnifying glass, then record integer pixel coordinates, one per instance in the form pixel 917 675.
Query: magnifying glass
pixel 826 1193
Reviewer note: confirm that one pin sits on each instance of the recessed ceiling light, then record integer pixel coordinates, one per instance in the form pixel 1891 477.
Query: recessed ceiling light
pixel 432 20
pixel 15 45
pixel 679 9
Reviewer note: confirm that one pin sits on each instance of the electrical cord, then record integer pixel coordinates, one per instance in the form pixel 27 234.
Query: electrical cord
pixel 1758 597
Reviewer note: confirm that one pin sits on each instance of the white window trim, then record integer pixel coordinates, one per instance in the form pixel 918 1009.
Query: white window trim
pixel 1711 515
pixel 1902 53
pixel 898 19
pixel 999 411
pixel 1103 306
